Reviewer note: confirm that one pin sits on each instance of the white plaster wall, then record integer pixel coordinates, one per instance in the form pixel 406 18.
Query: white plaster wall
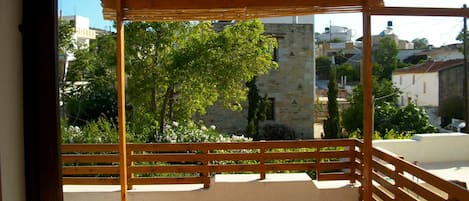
pixel 415 91
pixel 430 148
pixel 11 114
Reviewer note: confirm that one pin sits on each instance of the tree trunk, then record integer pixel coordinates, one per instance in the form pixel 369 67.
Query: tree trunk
pixel 171 103
pixel 153 100
pixel 163 109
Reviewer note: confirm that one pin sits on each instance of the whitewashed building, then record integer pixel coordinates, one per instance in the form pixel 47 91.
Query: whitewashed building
pixel 422 83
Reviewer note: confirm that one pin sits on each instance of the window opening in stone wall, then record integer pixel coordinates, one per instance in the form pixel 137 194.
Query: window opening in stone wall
pixel 270 113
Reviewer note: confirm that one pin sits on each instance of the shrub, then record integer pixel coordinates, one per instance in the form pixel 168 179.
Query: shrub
pixel 277 132
pixel 187 132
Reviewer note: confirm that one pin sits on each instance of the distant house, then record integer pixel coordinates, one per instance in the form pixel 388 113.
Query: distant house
pixel 443 53
pixel 82 34
pixel 433 84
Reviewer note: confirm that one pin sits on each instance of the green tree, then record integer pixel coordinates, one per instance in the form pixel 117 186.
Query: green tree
pixel 331 124
pixel 387 116
pixel 256 109
pixel 64 36
pixel 384 92
pixel 178 69
pixel 348 71
pixel 385 56
pixel 460 37
pixel 323 65
pixel 66 45
pixel 420 43
pixel 91 91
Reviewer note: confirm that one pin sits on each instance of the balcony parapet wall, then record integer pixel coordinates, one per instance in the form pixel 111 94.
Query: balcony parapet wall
pixel 429 148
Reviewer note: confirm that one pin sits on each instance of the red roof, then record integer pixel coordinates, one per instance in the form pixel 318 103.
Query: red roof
pixel 430 66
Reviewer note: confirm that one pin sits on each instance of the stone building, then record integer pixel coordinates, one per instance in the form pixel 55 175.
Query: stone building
pixel 290 88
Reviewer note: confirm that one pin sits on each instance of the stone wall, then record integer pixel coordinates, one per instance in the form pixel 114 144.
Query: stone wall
pixel 450 99
pixel 291 85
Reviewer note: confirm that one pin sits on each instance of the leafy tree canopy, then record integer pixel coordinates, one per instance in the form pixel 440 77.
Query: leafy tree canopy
pixel 420 43
pixel 178 69
pixel 385 55
pixel 387 116
pixel 323 65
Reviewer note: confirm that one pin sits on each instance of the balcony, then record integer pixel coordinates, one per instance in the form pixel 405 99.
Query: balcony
pixel 275 170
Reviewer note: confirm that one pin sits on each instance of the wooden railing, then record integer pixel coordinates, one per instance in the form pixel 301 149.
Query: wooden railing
pixel 393 177
pixel 90 164
pixel 396 179
pixel 194 163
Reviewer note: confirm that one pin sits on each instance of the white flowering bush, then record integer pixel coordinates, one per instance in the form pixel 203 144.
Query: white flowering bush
pixel 188 132
pixel 104 130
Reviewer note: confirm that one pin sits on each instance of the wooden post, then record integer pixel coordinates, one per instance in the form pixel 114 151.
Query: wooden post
pixel 262 162
pixel 318 161
pixel 367 105
pixel 206 173
pixel 352 162
pixel 130 153
pixel 121 100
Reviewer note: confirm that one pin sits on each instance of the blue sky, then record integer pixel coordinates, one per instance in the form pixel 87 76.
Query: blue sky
pixel 438 30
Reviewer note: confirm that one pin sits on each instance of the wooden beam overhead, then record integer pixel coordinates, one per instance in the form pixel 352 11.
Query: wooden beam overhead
pixel 216 4
pixel 412 11
pixel 183 10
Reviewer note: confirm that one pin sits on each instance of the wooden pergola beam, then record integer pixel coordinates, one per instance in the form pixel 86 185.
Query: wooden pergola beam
pixel 412 11
pixel 214 4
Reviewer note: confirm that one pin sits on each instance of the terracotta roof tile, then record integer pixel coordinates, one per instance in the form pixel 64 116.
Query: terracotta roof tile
pixel 430 66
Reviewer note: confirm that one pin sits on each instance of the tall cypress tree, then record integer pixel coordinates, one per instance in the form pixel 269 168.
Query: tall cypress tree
pixel 331 124
pixel 257 109
pixel 253 99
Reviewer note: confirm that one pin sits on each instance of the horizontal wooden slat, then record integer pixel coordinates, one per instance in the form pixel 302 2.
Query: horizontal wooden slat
pixel 167 158
pixel 89 148
pixel 334 154
pixel 237 156
pixel 184 180
pixel 383 169
pixel 418 189
pixel 384 156
pixel 401 194
pixel 73 170
pixel 167 169
pixel 236 145
pixel 334 165
pixel 87 158
pixel 384 183
pixel 333 176
pixel 358 155
pixel 448 187
pixel 381 194
pixel 91 181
